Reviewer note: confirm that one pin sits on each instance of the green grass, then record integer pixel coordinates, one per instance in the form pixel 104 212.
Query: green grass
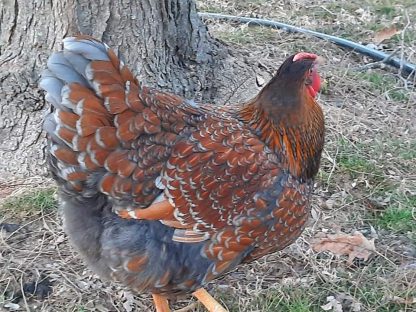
pixel 285 299
pixel 406 151
pixel 356 160
pixel 299 304
pixel 399 217
pixel 387 10
pixel 355 163
pixel 295 302
pixel 398 95
pixel 324 177
pixel 353 159
pixel 377 79
pixel 354 287
pixel 408 38
pixel 385 83
pixel 374 296
pixel 401 151
pixel 43 199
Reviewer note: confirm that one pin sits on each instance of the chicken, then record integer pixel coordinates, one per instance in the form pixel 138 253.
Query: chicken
pixel 164 195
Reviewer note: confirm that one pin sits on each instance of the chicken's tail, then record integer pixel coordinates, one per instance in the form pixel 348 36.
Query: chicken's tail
pixel 93 95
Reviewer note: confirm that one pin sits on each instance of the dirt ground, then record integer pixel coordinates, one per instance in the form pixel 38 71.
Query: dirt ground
pixel 367 181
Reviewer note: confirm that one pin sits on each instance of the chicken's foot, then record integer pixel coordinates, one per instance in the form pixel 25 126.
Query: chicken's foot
pixel 208 301
pixel 161 303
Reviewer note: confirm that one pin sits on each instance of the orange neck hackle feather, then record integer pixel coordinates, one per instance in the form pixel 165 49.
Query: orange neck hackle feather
pixel 294 132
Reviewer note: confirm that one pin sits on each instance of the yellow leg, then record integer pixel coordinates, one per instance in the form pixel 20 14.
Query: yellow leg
pixel 208 301
pixel 161 303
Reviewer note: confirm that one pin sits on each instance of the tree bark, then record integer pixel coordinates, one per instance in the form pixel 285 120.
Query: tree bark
pixel 164 43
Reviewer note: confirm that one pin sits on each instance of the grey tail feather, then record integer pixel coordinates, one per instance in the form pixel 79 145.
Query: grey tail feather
pixel 64 68
pixel 70 66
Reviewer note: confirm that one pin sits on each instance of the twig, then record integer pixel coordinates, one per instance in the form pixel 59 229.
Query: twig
pixel 334 165
pixel 23 292
pixel 379 63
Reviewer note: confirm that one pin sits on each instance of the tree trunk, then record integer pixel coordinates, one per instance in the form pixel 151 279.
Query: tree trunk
pixel 164 43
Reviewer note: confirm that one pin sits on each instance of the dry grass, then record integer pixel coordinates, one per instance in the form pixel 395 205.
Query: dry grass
pixel 367 181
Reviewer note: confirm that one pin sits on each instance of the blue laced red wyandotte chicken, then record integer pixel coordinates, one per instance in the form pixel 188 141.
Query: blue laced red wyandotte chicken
pixel 164 195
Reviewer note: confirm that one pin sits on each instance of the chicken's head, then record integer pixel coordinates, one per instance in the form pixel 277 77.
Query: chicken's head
pixel 310 62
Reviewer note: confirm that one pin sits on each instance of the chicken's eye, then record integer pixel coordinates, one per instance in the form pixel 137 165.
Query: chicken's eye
pixel 309 77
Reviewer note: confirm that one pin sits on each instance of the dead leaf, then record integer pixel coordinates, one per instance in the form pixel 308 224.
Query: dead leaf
pixel 385 34
pixel 355 246
pixel 329 204
pixel 406 301
pixel 128 305
pixel 332 305
pixel 260 81
pixel 100 308
pixel 315 214
pixel 12 306
pixel 348 302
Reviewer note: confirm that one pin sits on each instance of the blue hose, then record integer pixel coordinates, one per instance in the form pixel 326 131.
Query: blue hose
pixel 406 67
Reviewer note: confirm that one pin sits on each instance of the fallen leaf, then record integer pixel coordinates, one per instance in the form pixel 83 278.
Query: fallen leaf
pixel 315 214
pixel 332 305
pixel 406 301
pixel 83 285
pixel 128 305
pixel 12 306
pixel 260 81
pixel 99 307
pixel 355 246
pixel 329 204
pixel 348 302
pixel 60 239
pixel 385 34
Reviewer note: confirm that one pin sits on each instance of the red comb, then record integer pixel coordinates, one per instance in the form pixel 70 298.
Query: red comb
pixel 304 55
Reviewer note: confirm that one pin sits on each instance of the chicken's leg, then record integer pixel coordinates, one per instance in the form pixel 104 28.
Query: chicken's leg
pixel 157 211
pixel 161 303
pixel 208 301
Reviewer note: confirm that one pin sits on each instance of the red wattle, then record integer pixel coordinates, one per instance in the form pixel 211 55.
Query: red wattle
pixel 312 91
